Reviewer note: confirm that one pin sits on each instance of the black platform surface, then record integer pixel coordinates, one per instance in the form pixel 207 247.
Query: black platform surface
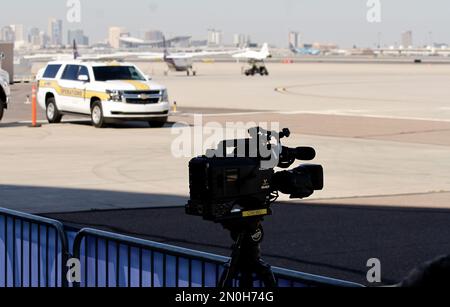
pixel 335 241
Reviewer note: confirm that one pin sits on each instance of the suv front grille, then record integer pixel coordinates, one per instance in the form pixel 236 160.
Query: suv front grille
pixel 142 97
pixel 142 92
pixel 143 101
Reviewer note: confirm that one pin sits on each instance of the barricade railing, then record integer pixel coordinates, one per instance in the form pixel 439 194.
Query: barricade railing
pixel 33 251
pixel 114 260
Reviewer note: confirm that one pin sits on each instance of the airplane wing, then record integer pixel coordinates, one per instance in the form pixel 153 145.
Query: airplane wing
pixel 186 55
pixel 211 53
pixel 201 54
pixel 68 57
pixel 47 57
pixel 150 55
pixel 254 55
pixel 140 42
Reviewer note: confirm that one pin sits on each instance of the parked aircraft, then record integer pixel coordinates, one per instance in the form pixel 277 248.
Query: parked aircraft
pixel 256 60
pixel 307 50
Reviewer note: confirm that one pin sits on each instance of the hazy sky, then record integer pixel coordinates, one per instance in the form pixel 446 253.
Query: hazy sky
pixel 343 22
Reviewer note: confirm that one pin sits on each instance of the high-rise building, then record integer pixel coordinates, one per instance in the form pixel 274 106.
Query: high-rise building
pixel 240 40
pixel 37 38
pixel 215 37
pixel 407 39
pixel 19 33
pixel 33 37
pixel 44 39
pixel 153 35
pixel 77 36
pixel 7 34
pixel 55 32
pixel 115 33
pixel 294 39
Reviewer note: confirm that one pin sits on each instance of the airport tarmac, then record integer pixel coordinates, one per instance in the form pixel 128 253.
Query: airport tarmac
pixel 371 147
pixel 382 132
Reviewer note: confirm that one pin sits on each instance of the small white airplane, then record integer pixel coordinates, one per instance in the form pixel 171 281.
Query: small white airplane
pixel 255 60
pixel 180 62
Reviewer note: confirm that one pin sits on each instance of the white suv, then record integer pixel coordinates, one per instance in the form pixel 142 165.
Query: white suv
pixel 4 90
pixel 106 91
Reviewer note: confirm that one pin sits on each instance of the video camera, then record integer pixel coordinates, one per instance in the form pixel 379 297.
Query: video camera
pixel 238 179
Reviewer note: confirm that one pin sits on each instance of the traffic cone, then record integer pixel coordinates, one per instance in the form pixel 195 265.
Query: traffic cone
pixel 34 123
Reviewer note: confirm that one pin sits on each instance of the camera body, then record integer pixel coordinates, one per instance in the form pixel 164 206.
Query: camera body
pixel 229 186
pixel 217 185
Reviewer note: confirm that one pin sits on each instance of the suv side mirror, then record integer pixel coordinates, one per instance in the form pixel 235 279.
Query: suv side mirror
pixel 83 78
pixel 2 56
pixel 148 77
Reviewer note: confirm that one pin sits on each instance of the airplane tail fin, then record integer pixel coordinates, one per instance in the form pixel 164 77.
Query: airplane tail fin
pixel 76 54
pixel 265 50
pixel 166 52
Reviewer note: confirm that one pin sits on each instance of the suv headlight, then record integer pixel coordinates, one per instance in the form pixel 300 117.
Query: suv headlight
pixel 165 96
pixel 115 95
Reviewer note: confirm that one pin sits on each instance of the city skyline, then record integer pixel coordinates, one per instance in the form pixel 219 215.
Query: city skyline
pixel 316 22
pixel 54 37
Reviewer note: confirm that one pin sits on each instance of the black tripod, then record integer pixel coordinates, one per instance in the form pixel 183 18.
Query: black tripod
pixel 246 257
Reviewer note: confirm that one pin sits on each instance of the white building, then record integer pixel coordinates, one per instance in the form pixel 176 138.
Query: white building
pixel 7 34
pixel 19 33
pixel 240 40
pixel 294 39
pixel 215 37
pixel 407 39
pixel 115 33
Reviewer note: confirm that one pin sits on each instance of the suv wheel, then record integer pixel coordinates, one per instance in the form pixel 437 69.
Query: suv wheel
pixel 52 112
pixel 97 115
pixel 158 122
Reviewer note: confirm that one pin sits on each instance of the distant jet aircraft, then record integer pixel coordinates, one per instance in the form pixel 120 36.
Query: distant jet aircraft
pixel 255 60
pixel 304 50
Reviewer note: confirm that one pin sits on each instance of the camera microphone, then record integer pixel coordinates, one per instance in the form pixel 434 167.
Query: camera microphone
pixel 305 153
pixel 299 153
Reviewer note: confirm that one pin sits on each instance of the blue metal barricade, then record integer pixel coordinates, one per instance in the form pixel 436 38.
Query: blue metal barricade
pixel 33 251
pixel 113 260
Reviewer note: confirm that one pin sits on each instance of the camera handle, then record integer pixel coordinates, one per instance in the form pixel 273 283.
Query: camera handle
pixel 246 260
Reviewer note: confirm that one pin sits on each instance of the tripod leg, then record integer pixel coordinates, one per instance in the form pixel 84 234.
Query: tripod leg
pixel 226 280
pixel 232 268
pixel 265 273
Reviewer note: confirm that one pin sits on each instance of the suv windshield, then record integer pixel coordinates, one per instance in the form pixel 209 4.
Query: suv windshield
pixel 108 73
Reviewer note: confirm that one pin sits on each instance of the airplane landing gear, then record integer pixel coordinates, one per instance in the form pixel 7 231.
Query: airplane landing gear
pixel 263 71
pixel 257 69
pixel 191 71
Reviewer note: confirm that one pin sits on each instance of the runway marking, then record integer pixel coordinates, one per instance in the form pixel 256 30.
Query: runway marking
pixel 294 93
pixel 351 113
pixel 376 196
